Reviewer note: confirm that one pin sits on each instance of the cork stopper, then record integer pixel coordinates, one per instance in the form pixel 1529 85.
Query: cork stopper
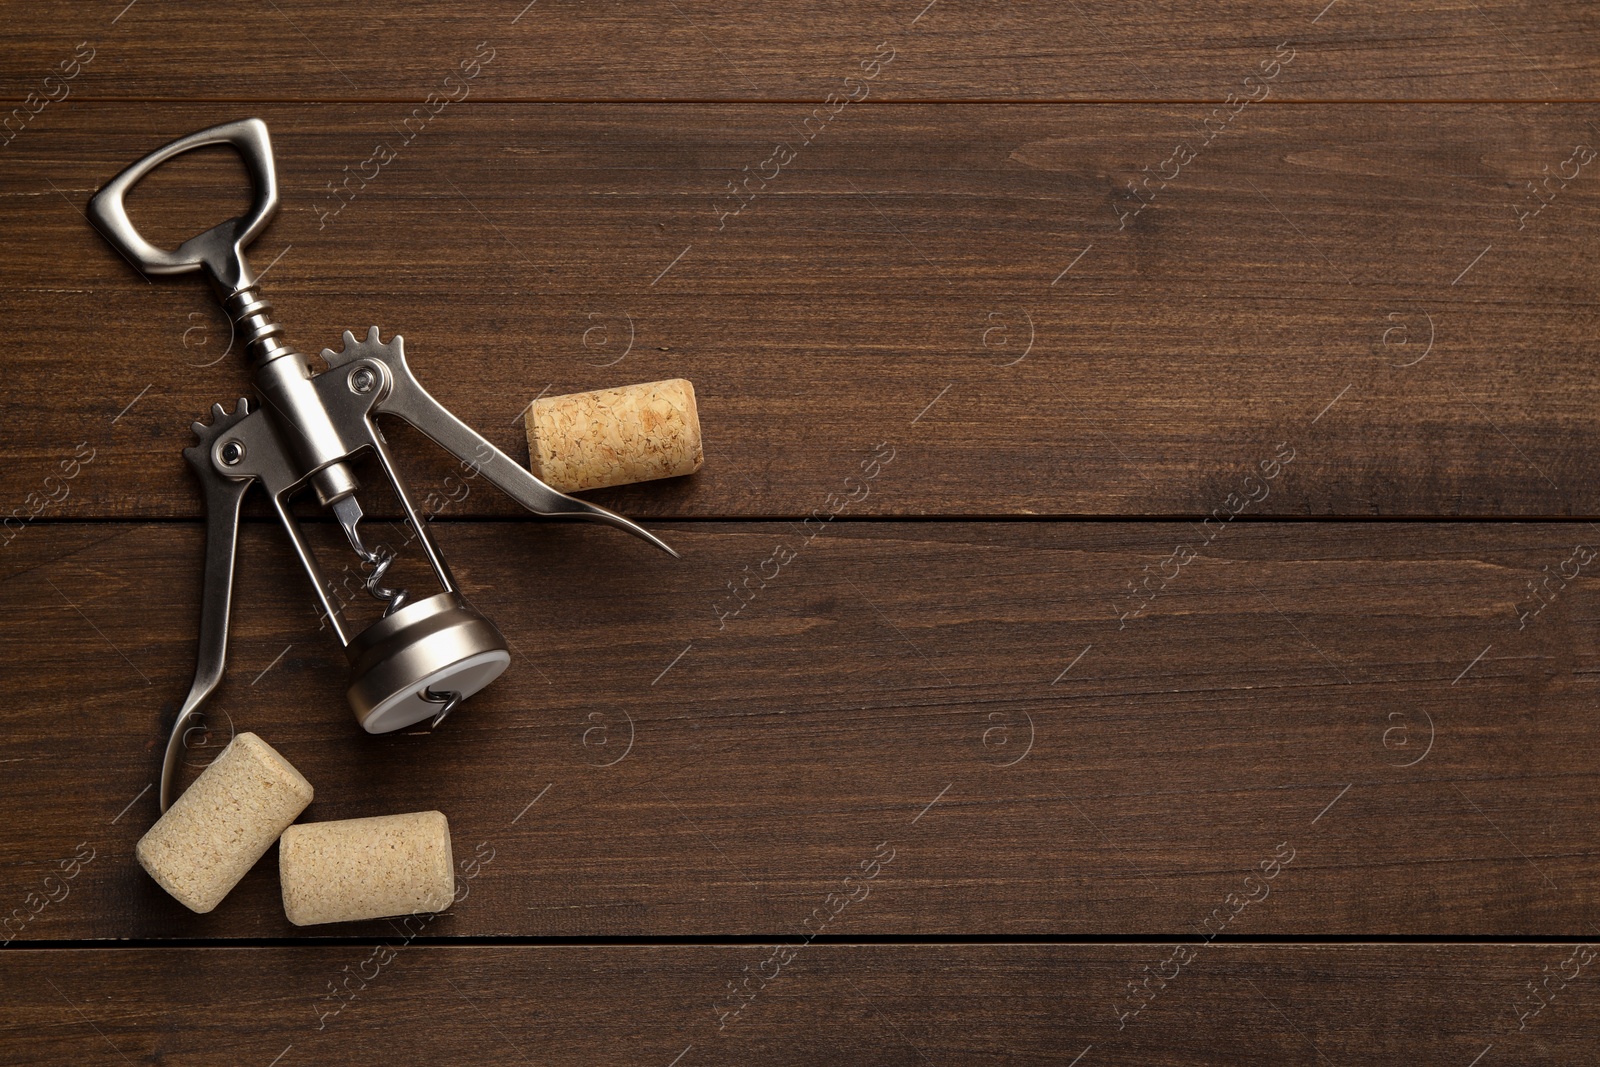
pixel 213 834
pixel 606 437
pixel 366 868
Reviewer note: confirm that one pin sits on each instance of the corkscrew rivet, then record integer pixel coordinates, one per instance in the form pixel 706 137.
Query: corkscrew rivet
pixel 232 452
pixel 362 379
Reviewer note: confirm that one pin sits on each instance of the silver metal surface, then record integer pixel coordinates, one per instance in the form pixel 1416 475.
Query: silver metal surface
pixel 450 698
pixel 404 397
pixel 348 512
pixel 223 494
pixel 307 429
pixel 394 599
pixel 220 250
pixel 254 326
pixel 423 653
pixel 437 643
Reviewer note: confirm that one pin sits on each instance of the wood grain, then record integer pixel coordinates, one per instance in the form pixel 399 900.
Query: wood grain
pixel 695 50
pixel 1302 1004
pixel 1047 259
pixel 1351 281
pixel 966 693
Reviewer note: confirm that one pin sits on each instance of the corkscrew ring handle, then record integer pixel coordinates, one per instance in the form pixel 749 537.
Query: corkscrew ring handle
pixel 220 250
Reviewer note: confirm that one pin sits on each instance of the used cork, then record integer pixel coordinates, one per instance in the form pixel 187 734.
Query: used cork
pixel 366 868
pixel 222 824
pixel 635 433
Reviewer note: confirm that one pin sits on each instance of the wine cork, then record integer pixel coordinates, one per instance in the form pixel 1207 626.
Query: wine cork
pixel 213 834
pixel 366 868
pixel 615 436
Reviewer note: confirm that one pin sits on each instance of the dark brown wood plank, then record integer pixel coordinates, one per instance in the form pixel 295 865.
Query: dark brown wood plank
pixel 1366 695
pixel 694 50
pixel 1352 282
pixel 956 1004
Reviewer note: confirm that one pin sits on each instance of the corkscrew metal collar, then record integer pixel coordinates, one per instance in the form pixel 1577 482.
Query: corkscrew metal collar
pixel 424 656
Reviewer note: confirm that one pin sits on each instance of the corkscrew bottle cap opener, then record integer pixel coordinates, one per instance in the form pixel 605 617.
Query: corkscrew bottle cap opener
pixel 423 656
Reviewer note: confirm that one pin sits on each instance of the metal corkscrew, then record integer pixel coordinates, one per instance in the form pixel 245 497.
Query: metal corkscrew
pixel 424 655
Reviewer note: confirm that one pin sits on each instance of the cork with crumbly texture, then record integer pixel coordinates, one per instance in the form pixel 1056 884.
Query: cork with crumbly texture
pixel 213 834
pixel 366 868
pixel 615 436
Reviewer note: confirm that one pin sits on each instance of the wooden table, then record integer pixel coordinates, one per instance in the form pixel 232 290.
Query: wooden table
pixel 1138 607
